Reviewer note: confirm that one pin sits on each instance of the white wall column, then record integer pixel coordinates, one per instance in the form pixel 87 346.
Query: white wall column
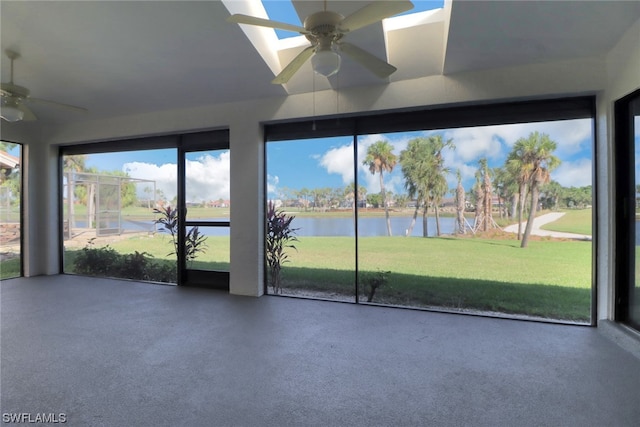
pixel 41 247
pixel 247 207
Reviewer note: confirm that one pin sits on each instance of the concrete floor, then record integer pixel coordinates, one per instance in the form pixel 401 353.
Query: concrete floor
pixel 117 353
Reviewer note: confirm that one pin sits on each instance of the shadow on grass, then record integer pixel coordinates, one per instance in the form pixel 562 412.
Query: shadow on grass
pixel 539 300
pixel 9 268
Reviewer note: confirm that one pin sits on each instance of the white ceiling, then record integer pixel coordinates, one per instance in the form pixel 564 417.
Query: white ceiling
pixel 117 58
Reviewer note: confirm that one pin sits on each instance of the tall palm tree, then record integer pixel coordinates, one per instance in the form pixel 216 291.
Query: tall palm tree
pixel 541 161
pixel 520 171
pixel 460 205
pixel 425 176
pixel 380 158
pixel 416 161
pixel 485 174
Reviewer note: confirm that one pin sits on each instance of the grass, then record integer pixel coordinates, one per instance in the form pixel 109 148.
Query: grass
pixel 548 279
pixel 9 268
pixel 578 221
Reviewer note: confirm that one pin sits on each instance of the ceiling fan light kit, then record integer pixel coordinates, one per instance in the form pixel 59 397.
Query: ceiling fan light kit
pixel 14 97
pixel 326 62
pixel 10 112
pixel 325 30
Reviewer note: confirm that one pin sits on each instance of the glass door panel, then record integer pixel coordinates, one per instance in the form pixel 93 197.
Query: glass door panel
pixel 311 184
pixel 633 312
pixel 206 244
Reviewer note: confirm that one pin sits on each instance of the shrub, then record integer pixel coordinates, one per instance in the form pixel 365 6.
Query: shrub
pixel 194 240
pixel 106 262
pixel 279 236
pixel 374 281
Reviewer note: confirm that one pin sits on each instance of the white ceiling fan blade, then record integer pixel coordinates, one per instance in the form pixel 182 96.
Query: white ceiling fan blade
pixel 293 66
pixel 28 114
pixel 57 104
pixel 374 12
pixel 374 64
pixel 239 18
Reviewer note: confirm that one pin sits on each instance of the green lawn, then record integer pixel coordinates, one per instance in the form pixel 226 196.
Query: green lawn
pixel 578 221
pixel 9 268
pixel 548 279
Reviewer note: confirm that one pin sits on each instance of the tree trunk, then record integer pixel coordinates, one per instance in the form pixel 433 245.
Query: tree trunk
pixel 521 202
pixel 437 219
pixel 488 205
pixel 384 203
pixel 460 196
pixel 413 220
pixel 91 207
pixel 425 216
pixel 535 194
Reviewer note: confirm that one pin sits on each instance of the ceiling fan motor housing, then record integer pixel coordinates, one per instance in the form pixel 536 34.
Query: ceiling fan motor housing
pixel 323 24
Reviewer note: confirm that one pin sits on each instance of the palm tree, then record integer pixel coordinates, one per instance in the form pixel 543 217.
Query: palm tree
pixel 460 205
pixel 425 176
pixel 380 158
pixel 520 171
pixel 416 162
pixel 506 190
pixel 484 174
pixel 537 158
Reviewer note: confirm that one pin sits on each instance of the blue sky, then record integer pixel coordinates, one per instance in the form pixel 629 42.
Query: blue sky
pixel 283 11
pixel 328 162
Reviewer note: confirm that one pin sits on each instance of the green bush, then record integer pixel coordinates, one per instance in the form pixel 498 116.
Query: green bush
pixel 106 262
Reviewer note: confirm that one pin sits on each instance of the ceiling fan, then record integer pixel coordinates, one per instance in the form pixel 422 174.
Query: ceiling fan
pixel 14 98
pixel 325 31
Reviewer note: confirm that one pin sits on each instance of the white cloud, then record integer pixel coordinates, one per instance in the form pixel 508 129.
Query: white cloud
pixel 339 161
pixel 571 136
pixel 207 177
pixel 474 143
pixel 272 184
pixel 573 174
pixel 165 176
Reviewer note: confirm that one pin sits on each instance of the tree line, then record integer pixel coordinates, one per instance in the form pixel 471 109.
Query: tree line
pixel 515 190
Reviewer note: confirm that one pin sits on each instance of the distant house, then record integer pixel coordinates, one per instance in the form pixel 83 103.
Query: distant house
pixel 220 203
pixel 8 163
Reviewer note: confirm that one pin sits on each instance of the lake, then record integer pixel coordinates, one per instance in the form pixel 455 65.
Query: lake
pixel 330 226
pixel 368 226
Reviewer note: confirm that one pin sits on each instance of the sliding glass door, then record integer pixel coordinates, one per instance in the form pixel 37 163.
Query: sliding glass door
pixel 206 202
pixel 478 210
pixel 153 209
pixel 627 131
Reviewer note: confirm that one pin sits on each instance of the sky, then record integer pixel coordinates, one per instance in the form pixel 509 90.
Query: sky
pixel 283 11
pixel 328 162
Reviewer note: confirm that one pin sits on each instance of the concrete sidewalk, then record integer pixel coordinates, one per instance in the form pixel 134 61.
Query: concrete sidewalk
pixel 546 219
